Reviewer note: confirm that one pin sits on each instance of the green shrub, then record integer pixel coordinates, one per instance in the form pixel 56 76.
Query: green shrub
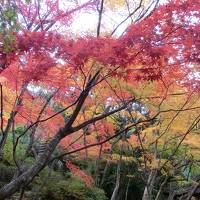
pixel 71 189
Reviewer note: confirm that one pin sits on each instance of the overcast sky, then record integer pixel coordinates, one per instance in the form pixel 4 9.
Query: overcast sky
pixel 87 22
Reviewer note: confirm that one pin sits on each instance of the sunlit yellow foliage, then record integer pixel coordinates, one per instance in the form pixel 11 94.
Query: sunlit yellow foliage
pixel 124 158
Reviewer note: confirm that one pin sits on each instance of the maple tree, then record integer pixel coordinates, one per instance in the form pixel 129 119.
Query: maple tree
pixel 78 94
pixel 166 151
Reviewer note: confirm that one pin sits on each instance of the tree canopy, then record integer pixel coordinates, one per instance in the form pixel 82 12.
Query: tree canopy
pixel 130 98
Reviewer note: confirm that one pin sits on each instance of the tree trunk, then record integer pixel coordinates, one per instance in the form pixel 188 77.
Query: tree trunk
pixel 5 134
pixel 161 188
pixel 127 188
pixel 115 192
pixel 96 173
pixel 116 189
pixel 104 173
pixel 147 195
pixel 10 121
pixel 26 177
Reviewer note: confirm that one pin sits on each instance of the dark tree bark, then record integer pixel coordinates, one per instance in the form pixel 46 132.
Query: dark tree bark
pixel 27 176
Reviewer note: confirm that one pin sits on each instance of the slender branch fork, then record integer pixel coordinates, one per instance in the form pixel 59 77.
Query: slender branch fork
pixel 124 130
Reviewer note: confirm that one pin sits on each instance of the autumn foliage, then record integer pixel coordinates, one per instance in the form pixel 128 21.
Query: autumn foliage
pixel 48 79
